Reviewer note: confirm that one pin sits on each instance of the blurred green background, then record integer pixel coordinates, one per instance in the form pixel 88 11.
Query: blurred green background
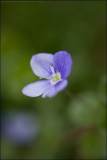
pixel 70 127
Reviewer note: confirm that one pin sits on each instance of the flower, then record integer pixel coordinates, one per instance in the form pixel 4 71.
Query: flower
pixel 54 68
pixel 20 128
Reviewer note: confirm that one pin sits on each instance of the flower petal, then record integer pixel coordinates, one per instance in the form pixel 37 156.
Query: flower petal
pixel 36 89
pixel 53 90
pixel 62 63
pixel 40 64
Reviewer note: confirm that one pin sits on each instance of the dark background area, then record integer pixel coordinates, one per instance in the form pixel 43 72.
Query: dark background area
pixel 68 126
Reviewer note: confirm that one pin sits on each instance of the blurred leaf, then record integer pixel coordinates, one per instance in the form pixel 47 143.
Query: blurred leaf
pixel 86 109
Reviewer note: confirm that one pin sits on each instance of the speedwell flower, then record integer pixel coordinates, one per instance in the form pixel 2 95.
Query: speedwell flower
pixel 54 68
pixel 20 128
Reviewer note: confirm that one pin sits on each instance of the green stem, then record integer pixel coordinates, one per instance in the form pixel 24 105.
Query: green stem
pixel 68 93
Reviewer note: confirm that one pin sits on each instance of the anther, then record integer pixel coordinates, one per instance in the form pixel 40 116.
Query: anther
pixel 51 65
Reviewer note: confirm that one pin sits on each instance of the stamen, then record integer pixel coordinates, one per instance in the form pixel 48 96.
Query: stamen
pixel 52 68
pixel 55 77
pixel 51 65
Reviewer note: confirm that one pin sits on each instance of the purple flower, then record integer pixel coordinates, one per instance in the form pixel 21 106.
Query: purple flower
pixel 20 128
pixel 54 68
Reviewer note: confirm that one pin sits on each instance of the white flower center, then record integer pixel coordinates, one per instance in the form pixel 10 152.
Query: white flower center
pixel 56 77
